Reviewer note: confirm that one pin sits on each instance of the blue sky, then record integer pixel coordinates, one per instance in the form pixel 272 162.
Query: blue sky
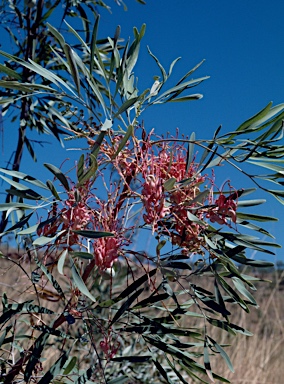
pixel 243 45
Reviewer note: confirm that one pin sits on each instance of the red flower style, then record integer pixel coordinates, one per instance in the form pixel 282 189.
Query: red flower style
pixel 75 215
pixel 153 199
pixel 225 207
pixel 171 163
pixel 107 249
pixel 106 252
pixel 109 347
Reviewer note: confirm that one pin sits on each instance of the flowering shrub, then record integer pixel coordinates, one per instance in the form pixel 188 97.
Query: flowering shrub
pixel 118 248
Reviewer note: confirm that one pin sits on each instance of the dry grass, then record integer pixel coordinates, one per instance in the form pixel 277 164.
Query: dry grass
pixel 257 359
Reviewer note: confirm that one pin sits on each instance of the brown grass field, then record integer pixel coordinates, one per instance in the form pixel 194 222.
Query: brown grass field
pixel 257 359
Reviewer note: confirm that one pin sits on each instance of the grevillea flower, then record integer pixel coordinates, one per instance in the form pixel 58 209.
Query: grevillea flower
pixel 224 208
pixel 106 252
pixel 74 215
pixel 170 164
pixel 109 347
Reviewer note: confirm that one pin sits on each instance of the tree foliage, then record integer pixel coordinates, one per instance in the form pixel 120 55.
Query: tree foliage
pixel 104 312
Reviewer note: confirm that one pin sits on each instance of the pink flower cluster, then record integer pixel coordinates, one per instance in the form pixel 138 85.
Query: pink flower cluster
pixel 75 215
pixel 225 207
pixel 106 252
pixel 109 347
pixel 159 177
pixel 169 164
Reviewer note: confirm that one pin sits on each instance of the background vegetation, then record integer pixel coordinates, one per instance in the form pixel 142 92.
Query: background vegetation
pixel 83 304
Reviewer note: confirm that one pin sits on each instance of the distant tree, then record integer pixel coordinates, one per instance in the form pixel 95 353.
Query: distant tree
pixel 95 309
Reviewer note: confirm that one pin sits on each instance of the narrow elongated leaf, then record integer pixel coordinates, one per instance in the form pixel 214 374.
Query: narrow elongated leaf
pixel 124 140
pixel 222 353
pixel 119 380
pixel 130 289
pixel 83 379
pixel 207 364
pixel 28 194
pixel 61 261
pixel 10 72
pixel 251 216
pixel 13 206
pixel 93 234
pixel 73 66
pixel 43 240
pixel 255 118
pixel 93 43
pixel 4 334
pixel 163 72
pixel 54 370
pixel 82 255
pixel 242 289
pixel 83 177
pixel 125 306
pixel 53 190
pixel 250 203
pixel 36 355
pixel 50 277
pixel 196 96
pixel 125 106
pixel 56 34
pixel 169 184
pixel 58 174
pixel 189 156
pixel 70 366
pixel 80 283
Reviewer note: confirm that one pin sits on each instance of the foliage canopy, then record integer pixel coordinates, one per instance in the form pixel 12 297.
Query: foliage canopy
pixel 100 311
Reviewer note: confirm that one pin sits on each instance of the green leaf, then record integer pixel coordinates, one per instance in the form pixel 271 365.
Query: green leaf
pixel 13 206
pixel 10 72
pixel 250 216
pixel 163 72
pixel 125 306
pixel 94 234
pixel 242 289
pixel 83 379
pixel 80 283
pixel 73 66
pixel 206 360
pixel 50 277
pixel 56 34
pixel 4 334
pixel 17 185
pixel 222 353
pixel 124 140
pixel 82 255
pixel 54 370
pixel 169 184
pixel 58 174
pixel 83 177
pixel 28 194
pixel 268 165
pixel 255 118
pixel 196 96
pixel 93 43
pixel 36 355
pixel 189 156
pixel 119 380
pixel 209 301
pixel 70 366
pixel 52 190
pixel 125 106
pixel 250 203
pixel 61 261
pixel 130 289
pixel 178 89
pixel 43 240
